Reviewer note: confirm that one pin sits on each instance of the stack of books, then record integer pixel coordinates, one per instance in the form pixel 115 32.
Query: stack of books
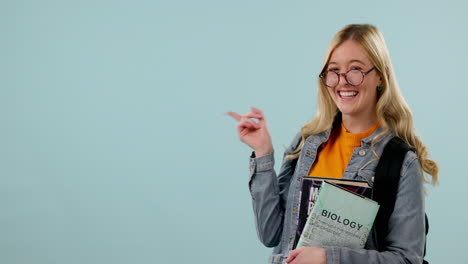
pixel 335 213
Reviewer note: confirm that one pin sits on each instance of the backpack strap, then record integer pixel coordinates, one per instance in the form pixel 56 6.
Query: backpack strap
pixel 386 180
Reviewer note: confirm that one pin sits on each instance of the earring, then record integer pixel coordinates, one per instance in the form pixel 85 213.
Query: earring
pixel 379 88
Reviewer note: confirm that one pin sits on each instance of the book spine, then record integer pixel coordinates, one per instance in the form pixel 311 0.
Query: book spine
pixel 310 225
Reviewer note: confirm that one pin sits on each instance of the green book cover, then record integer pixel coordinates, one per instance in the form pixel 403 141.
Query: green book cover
pixel 339 218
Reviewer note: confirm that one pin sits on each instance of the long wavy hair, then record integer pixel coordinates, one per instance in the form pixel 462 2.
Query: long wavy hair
pixel 393 112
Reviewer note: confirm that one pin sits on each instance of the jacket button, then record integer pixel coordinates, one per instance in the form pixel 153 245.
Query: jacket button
pixel 362 152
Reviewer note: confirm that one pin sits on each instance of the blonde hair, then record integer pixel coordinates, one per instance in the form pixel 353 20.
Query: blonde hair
pixel 393 112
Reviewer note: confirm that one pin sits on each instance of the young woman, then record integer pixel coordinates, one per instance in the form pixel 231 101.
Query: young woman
pixel 360 109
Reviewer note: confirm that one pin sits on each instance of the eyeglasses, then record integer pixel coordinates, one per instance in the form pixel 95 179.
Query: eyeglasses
pixel 353 77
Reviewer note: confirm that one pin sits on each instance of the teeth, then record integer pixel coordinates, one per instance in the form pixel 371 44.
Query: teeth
pixel 348 94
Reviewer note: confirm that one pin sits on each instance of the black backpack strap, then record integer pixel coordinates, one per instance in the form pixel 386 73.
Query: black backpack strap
pixel 427 231
pixel 386 180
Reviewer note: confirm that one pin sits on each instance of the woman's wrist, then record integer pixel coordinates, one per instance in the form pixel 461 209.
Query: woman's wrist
pixel 263 152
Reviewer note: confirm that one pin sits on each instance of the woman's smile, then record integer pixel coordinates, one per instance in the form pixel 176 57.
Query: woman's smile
pixel 347 95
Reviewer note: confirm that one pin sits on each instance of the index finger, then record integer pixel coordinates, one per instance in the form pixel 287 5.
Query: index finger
pixel 234 115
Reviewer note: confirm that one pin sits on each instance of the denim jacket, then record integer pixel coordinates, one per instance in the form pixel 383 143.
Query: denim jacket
pixel 276 203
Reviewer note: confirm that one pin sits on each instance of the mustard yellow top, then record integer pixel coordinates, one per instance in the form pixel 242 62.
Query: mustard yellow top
pixel 332 160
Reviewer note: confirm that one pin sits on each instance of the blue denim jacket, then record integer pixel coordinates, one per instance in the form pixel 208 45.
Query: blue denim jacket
pixel 276 203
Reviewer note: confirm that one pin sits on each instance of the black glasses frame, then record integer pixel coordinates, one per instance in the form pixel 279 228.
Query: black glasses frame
pixel 324 73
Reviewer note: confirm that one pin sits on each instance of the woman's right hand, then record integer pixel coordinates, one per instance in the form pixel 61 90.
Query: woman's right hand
pixel 254 134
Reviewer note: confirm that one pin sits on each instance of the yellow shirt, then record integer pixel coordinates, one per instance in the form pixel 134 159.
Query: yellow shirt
pixel 332 160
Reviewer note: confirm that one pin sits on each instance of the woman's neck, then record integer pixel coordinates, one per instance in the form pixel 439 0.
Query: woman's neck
pixel 358 124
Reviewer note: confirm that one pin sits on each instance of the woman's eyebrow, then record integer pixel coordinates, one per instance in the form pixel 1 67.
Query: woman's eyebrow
pixel 358 61
pixel 351 61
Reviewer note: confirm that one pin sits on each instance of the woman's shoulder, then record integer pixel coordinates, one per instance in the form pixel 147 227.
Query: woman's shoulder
pixel 410 158
pixel 296 141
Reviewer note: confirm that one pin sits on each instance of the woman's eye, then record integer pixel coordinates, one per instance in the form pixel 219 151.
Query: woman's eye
pixel 356 68
pixel 333 69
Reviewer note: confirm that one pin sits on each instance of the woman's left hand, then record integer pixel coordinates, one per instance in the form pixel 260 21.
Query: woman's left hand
pixel 307 255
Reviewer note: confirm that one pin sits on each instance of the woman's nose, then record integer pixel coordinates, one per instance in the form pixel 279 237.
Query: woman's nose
pixel 342 79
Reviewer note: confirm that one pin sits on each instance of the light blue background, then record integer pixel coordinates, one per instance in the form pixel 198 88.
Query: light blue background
pixel 114 146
